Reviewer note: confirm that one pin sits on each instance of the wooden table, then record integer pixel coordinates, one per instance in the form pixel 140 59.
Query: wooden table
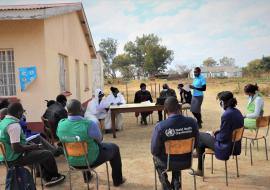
pixel 142 107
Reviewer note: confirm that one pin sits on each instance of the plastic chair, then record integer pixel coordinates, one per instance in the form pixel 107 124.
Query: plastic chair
pixel 79 149
pixel 32 168
pixel 178 147
pixel 236 136
pixel 259 133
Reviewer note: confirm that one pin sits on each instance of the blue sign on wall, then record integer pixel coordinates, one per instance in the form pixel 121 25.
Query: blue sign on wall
pixel 27 76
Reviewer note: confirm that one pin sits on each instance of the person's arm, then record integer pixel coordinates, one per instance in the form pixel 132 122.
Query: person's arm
pixel 136 98
pixel 94 132
pixel 14 132
pixel 203 88
pixel 155 142
pixel 150 97
pixel 224 134
pixel 258 108
pixel 122 99
pixel 174 93
pixel 181 96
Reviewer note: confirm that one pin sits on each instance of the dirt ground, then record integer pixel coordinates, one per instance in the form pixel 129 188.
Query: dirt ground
pixel 134 142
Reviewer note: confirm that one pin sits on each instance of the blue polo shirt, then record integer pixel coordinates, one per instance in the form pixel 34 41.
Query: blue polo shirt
pixel 198 82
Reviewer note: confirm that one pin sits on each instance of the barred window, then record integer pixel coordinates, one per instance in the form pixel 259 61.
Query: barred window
pixel 63 73
pixel 7 73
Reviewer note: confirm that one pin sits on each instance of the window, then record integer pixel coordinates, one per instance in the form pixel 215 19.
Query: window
pixel 78 83
pixel 7 73
pixel 86 78
pixel 63 73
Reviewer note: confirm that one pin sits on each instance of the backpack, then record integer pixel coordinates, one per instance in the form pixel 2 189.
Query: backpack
pixel 19 178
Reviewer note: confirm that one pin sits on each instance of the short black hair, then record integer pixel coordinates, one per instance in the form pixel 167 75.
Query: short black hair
pixel 251 88
pixel 198 68
pixel 61 98
pixel 4 103
pixel 114 89
pixel 165 86
pixel 180 85
pixel 142 85
pixel 50 102
pixel 14 109
pixel 171 104
pixel 74 107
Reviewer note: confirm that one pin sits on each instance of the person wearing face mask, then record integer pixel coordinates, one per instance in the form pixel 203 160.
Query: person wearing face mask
pixel 220 141
pixel 254 107
pixel 165 93
pixel 185 94
pixel 198 86
pixel 96 108
pixel 115 98
pixel 143 95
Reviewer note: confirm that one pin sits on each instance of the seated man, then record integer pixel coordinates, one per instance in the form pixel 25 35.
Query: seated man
pixel 143 95
pixel 99 152
pixel 55 112
pixel 221 140
pixel 19 153
pixel 185 94
pixel 178 122
pixel 165 93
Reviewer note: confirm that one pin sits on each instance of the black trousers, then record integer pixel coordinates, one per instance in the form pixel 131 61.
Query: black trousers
pixel 109 152
pixel 198 117
pixel 43 157
pixel 205 141
pixel 163 177
pixel 160 116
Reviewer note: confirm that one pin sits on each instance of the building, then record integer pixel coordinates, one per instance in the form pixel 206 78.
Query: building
pixel 219 72
pixel 98 77
pixel 45 50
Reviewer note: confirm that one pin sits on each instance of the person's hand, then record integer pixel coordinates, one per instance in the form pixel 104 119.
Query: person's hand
pixel 210 133
pixel 191 86
pixel 119 103
pixel 111 104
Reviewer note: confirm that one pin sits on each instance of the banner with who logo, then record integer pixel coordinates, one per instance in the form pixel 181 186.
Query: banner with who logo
pixel 27 75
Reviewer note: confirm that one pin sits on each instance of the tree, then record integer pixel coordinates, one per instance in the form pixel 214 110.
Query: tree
pixel 123 63
pixel 265 63
pixel 148 55
pixel 227 61
pixel 253 68
pixel 108 48
pixel 209 62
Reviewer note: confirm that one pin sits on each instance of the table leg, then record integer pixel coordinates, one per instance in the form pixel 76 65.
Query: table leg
pixel 113 123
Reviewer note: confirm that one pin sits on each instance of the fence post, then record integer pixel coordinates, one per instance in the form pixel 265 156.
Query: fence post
pixel 127 91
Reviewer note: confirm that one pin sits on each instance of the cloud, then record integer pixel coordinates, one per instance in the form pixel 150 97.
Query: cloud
pixel 194 30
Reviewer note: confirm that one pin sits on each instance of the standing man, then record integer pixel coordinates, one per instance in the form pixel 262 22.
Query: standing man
pixel 165 130
pixel 198 86
pixel 143 95
pixel 165 93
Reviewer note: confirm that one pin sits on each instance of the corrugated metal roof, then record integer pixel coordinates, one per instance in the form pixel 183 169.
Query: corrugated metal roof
pixel 37 6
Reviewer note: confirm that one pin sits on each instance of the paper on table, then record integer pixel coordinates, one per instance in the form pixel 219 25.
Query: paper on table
pixel 146 102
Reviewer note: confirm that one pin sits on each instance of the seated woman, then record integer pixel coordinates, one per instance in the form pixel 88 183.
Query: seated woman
pixel 221 141
pixel 95 110
pixel 254 107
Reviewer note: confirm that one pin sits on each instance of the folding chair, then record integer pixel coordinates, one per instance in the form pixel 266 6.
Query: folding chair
pixel 178 147
pixel 48 130
pixel 236 137
pixel 79 149
pixel 32 168
pixel 259 133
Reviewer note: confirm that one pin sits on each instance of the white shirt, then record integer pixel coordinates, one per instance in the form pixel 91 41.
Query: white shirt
pixel 259 104
pixel 111 99
pixel 14 130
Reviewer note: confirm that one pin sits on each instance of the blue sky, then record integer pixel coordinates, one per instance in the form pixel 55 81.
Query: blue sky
pixel 194 30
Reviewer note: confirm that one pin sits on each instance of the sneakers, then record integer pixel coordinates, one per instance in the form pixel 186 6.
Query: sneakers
pixel 55 180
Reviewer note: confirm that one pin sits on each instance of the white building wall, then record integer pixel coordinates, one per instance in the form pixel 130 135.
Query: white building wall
pixel 98 75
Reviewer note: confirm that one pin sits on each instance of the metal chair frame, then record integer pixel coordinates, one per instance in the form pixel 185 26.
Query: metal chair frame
pixel 32 168
pixel 89 168
pixel 237 135
pixel 168 161
pixel 257 138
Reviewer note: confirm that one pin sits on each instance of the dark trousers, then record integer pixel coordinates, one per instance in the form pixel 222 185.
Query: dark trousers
pixel 144 115
pixel 160 116
pixel 198 116
pixel 205 141
pixel 43 157
pixel 110 152
pixel 163 177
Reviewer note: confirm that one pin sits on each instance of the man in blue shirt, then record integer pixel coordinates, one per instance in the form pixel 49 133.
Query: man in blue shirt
pixel 198 86
pixel 176 127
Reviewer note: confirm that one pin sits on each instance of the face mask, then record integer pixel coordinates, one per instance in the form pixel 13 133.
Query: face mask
pixel 196 75
pixel 143 90
pixel 165 90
